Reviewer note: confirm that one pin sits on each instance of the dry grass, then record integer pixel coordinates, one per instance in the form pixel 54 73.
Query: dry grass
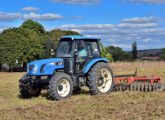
pixel 117 105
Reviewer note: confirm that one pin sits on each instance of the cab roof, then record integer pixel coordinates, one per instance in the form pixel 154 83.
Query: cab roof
pixel 79 38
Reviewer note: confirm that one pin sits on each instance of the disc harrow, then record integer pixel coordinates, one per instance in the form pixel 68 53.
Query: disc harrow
pixel 133 83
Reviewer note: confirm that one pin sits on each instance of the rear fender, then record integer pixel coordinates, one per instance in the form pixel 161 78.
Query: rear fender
pixel 94 61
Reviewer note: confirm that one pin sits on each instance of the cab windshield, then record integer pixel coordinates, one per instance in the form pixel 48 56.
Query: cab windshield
pixel 65 49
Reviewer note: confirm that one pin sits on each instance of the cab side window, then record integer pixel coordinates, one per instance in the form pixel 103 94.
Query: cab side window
pixel 82 50
pixel 95 49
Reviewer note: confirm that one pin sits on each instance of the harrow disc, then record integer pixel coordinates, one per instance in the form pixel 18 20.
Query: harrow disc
pixel 159 87
pixel 135 86
pixel 146 84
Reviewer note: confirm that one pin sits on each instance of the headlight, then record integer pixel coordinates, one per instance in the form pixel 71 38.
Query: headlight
pixel 57 63
pixel 35 69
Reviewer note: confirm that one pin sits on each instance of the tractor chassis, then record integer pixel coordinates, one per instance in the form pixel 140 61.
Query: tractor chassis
pixel 42 82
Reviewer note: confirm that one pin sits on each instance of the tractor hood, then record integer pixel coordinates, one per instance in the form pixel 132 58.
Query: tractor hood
pixel 45 66
pixel 43 61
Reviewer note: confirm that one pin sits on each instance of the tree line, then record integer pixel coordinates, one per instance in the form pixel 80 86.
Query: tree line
pixel 117 54
pixel 29 42
pixel 163 55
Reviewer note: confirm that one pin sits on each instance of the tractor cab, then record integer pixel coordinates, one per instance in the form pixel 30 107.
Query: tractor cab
pixel 77 52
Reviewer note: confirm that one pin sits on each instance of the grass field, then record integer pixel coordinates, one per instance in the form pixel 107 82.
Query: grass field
pixel 128 105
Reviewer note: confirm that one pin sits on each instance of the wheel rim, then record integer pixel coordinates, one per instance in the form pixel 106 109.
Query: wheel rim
pixel 104 81
pixel 63 87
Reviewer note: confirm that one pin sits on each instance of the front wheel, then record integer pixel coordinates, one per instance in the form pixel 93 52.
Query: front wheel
pixel 100 79
pixel 60 86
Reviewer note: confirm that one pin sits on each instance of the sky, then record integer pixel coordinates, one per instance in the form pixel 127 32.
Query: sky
pixel 115 22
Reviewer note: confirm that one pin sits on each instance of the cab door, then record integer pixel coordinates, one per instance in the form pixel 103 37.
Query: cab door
pixel 87 50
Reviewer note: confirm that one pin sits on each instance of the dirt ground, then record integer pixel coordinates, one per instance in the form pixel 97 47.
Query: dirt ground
pixel 127 105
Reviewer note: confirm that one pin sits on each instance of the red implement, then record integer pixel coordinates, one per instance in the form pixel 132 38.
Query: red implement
pixel 132 82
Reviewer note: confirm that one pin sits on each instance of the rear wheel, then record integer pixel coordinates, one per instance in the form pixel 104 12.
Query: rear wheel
pixel 100 79
pixel 60 86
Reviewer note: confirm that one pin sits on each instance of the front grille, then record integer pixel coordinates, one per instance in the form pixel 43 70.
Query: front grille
pixel 30 67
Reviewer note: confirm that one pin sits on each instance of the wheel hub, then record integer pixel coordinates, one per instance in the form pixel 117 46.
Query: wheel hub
pixel 100 81
pixel 60 87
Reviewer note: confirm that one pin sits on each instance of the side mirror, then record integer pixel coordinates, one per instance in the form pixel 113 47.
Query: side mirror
pixel 95 53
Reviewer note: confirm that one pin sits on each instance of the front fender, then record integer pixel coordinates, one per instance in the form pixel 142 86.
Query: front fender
pixel 91 63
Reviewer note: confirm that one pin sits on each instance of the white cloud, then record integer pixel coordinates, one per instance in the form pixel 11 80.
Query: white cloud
pixel 87 26
pixel 147 40
pixel 104 27
pixel 144 25
pixel 47 16
pixel 5 17
pixel 147 34
pixel 78 2
pixel 9 16
pixel 30 9
pixel 155 2
pixel 142 20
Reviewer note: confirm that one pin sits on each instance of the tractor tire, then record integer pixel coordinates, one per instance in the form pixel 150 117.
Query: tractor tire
pixel 28 93
pixel 60 86
pixel 100 79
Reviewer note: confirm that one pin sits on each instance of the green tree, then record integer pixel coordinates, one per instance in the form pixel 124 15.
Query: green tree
pixel 105 53
pixel 134 51
pixel 20 44
pixel 27 43
pixel 163 55
pixel 32 25
pixel 117 53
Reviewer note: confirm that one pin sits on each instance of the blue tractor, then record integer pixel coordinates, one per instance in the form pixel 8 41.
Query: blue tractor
pixel 77 63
